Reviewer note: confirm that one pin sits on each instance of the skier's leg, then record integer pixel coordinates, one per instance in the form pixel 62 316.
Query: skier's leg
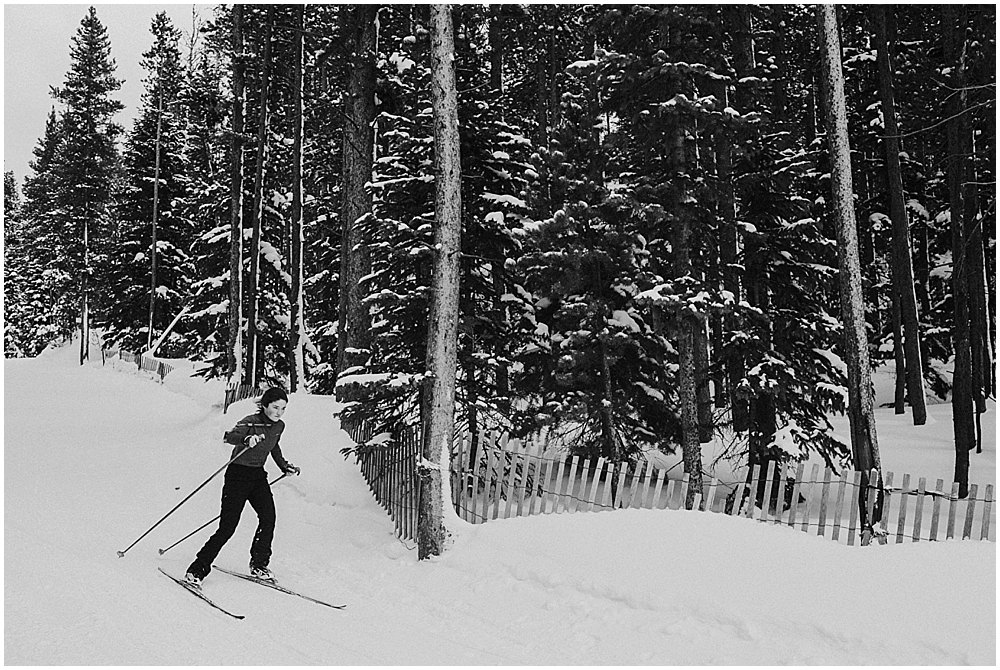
pixel 262 502
pixel 234 497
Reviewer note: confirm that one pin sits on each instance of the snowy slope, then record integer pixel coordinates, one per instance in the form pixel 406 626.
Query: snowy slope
pixel 95 455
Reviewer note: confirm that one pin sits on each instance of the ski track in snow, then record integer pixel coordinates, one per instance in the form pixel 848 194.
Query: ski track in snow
pixel 95 455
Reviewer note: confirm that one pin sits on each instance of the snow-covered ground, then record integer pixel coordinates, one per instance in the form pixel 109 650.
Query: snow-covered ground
pixel 95 455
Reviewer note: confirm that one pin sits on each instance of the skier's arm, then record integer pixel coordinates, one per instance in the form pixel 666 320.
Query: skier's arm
pixel 240 432
pixel 278 458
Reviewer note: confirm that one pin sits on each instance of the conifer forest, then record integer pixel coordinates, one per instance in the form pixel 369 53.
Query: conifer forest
pixel 665 217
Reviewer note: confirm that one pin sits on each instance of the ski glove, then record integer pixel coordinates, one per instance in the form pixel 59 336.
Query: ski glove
pixel 291 469
pixel 253 440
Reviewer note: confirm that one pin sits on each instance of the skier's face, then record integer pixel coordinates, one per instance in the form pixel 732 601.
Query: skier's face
pixel 275 410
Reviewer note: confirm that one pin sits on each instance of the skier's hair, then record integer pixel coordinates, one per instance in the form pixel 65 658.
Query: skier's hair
pixel 270 395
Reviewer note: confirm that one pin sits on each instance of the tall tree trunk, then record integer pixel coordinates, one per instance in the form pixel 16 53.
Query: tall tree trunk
pixel 442 328
pixel 954 24
pixel 496 50
pixel 236 205
pixel 156 209
pixel 864 440
pixel 354 336
pixel 737 19
pixel 978 292
pixel 297 334
pixel 252 373
pixel 687 326
pixel 902 262
pixel 85 293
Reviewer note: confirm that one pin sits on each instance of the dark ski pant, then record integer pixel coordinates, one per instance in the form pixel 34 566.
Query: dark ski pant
pixel 243 484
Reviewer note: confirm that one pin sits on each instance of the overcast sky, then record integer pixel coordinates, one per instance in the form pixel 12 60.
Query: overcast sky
pixel 36 56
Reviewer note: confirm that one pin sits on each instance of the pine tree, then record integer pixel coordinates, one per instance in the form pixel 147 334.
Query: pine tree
pixel 151 283
pixel 44 311
pixel 85 166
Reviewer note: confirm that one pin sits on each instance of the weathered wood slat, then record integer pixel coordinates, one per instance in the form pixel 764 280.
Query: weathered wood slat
pixel 796 492
pixel 672 485
pixel 839 505
pixel 710 500
pixel 580 497
pixel 659 488
pixel 608 485
pixel 738 499
pixel 824 497
pixel 918 510
pixel 525 464
pixel 541 470
pixel 620 488
pixel 490 487
pixel 557 487
pixel 952 510
pixel 512 454
pixel 783 475
pixel 685 482
pixel 883 538
pixel 570 495
pixel 647 488
pixel 641 472
pixel 903 502
pixel 987 512
pixel 970 512
pixel 765 507
pixel 754 482
pixel 595 483
pixel 478 468
pixel 855 497
pixel 936 513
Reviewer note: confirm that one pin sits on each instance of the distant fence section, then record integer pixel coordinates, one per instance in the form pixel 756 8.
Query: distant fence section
pixel 147 363
pixel 493 477
pixel 240 392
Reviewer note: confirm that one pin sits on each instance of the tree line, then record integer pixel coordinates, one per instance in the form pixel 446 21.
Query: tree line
pixel 651 237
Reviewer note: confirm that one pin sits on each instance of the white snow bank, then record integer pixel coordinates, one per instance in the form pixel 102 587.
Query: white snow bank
pixel 93 457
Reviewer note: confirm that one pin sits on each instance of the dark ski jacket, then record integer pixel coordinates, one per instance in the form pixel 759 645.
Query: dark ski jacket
pixel 257 424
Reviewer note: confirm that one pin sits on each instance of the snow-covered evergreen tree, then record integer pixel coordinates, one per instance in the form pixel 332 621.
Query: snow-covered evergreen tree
pixel 154 149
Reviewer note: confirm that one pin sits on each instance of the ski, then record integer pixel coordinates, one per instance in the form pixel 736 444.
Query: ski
pixel 195 591
pixel 277 587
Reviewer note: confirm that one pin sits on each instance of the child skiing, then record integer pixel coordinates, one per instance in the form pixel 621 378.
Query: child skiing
pixel 256 436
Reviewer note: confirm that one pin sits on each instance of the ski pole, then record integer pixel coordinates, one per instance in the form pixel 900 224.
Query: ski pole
pixel 163 551
pixel 121 554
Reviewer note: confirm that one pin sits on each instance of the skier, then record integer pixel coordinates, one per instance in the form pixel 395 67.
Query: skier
pixel 246 481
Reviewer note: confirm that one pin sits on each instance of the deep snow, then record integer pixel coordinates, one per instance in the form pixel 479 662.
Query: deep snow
pixel 95 455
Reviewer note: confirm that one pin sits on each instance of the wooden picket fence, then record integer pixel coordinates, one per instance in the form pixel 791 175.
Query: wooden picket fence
pixel 500 482
pixel 390 468
pixel 240 392
pixel 147 363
